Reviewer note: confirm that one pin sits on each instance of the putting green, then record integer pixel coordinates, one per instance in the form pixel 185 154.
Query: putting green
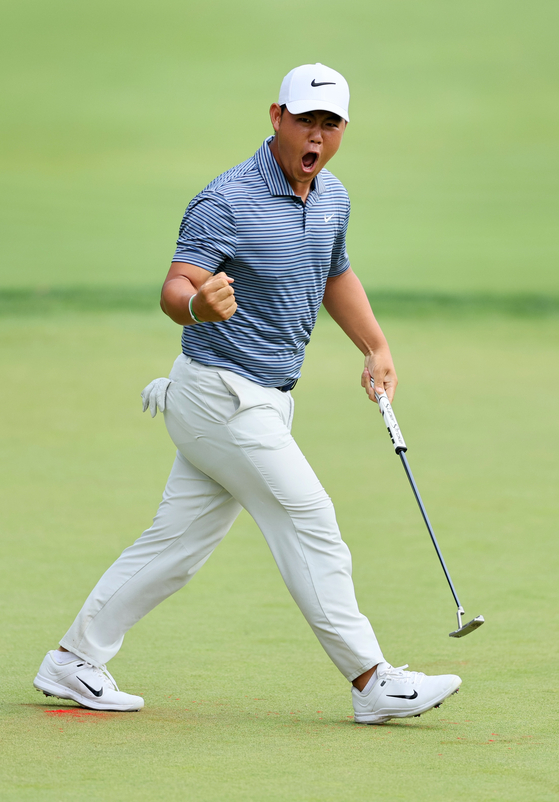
pixel 241 703
pixel 114 115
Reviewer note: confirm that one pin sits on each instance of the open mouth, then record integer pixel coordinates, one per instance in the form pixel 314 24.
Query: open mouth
pixel 309 161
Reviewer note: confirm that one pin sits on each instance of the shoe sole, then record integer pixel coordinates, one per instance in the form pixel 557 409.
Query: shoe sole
pixel 382 718
pixel 61 692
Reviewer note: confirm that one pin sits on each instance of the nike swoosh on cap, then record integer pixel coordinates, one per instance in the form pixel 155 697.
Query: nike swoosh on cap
pixel 402 696
pixel 322 83
pixel 89 688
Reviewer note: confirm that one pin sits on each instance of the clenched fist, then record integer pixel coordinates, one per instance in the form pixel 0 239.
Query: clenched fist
pixel 215 300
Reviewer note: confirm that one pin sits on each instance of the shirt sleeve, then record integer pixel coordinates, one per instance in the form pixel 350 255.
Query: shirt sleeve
pixel 339 262
pixel 207 235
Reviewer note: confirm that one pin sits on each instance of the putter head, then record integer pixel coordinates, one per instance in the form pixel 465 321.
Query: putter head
pixel 467 628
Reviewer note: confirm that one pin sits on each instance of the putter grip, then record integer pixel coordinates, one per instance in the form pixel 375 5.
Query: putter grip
pixel 391 422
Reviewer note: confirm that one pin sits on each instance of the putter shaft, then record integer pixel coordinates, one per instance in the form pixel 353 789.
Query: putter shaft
pixel 400 448
pixel 409 474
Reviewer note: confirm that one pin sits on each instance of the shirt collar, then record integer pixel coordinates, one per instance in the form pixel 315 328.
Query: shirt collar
pixel 272 173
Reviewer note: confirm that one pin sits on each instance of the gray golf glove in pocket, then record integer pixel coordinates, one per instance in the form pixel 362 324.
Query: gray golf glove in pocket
pixel 154 396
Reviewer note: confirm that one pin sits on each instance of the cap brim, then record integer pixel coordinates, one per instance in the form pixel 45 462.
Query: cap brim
pixel 300 106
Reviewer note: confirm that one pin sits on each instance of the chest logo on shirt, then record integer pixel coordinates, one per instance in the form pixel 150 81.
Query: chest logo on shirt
pixel 327 219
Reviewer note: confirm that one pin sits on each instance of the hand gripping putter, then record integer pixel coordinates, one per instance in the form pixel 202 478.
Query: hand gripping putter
pixel 400 448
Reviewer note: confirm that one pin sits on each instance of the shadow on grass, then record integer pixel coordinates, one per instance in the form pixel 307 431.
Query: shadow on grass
pixel 55 300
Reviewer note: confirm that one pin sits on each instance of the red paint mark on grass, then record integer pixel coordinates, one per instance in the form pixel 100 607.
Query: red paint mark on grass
pixel 77 713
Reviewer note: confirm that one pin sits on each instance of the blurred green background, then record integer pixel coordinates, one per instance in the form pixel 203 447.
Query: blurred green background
pixel 114 115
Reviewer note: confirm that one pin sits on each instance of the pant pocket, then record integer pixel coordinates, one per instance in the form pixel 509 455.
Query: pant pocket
pixel 260 416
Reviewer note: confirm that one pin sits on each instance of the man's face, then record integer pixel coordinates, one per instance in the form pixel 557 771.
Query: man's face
pixel 305 143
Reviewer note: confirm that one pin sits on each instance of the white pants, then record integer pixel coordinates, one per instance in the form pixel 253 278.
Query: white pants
pixel 235 450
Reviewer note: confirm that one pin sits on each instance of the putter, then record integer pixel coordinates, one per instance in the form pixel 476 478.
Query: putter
pixel 400 448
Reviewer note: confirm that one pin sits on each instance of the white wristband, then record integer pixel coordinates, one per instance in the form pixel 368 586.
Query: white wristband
pixel 191 311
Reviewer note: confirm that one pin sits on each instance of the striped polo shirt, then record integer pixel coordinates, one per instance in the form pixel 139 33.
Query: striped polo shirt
pixel 249 223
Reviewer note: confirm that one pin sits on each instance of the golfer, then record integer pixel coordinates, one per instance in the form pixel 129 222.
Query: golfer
pixel 259 250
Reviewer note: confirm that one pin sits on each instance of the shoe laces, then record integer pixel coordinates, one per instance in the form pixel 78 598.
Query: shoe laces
pixel 103 673
pixel 399 673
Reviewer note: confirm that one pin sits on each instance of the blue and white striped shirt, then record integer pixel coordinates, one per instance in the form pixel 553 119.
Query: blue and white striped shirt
pixel 280 251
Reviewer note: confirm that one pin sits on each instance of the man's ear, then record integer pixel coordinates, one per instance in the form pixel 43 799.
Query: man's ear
pixel 275 116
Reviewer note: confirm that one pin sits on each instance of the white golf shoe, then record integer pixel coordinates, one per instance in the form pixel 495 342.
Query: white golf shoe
pixel 396 693
pixel 85 684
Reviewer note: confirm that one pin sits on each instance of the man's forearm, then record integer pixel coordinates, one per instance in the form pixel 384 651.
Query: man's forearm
pixel 175 296
pixel 347 303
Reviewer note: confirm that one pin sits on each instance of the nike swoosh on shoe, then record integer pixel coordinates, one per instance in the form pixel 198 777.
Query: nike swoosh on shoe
pixel 89 688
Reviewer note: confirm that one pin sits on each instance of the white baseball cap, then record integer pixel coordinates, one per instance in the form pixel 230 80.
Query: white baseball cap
pixel 314 86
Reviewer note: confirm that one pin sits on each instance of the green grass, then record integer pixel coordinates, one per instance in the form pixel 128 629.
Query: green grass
pixel 52 301
pixel 114 114
pixel 241 703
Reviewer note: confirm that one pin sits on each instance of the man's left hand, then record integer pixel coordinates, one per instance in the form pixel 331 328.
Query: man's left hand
pixel 379 367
